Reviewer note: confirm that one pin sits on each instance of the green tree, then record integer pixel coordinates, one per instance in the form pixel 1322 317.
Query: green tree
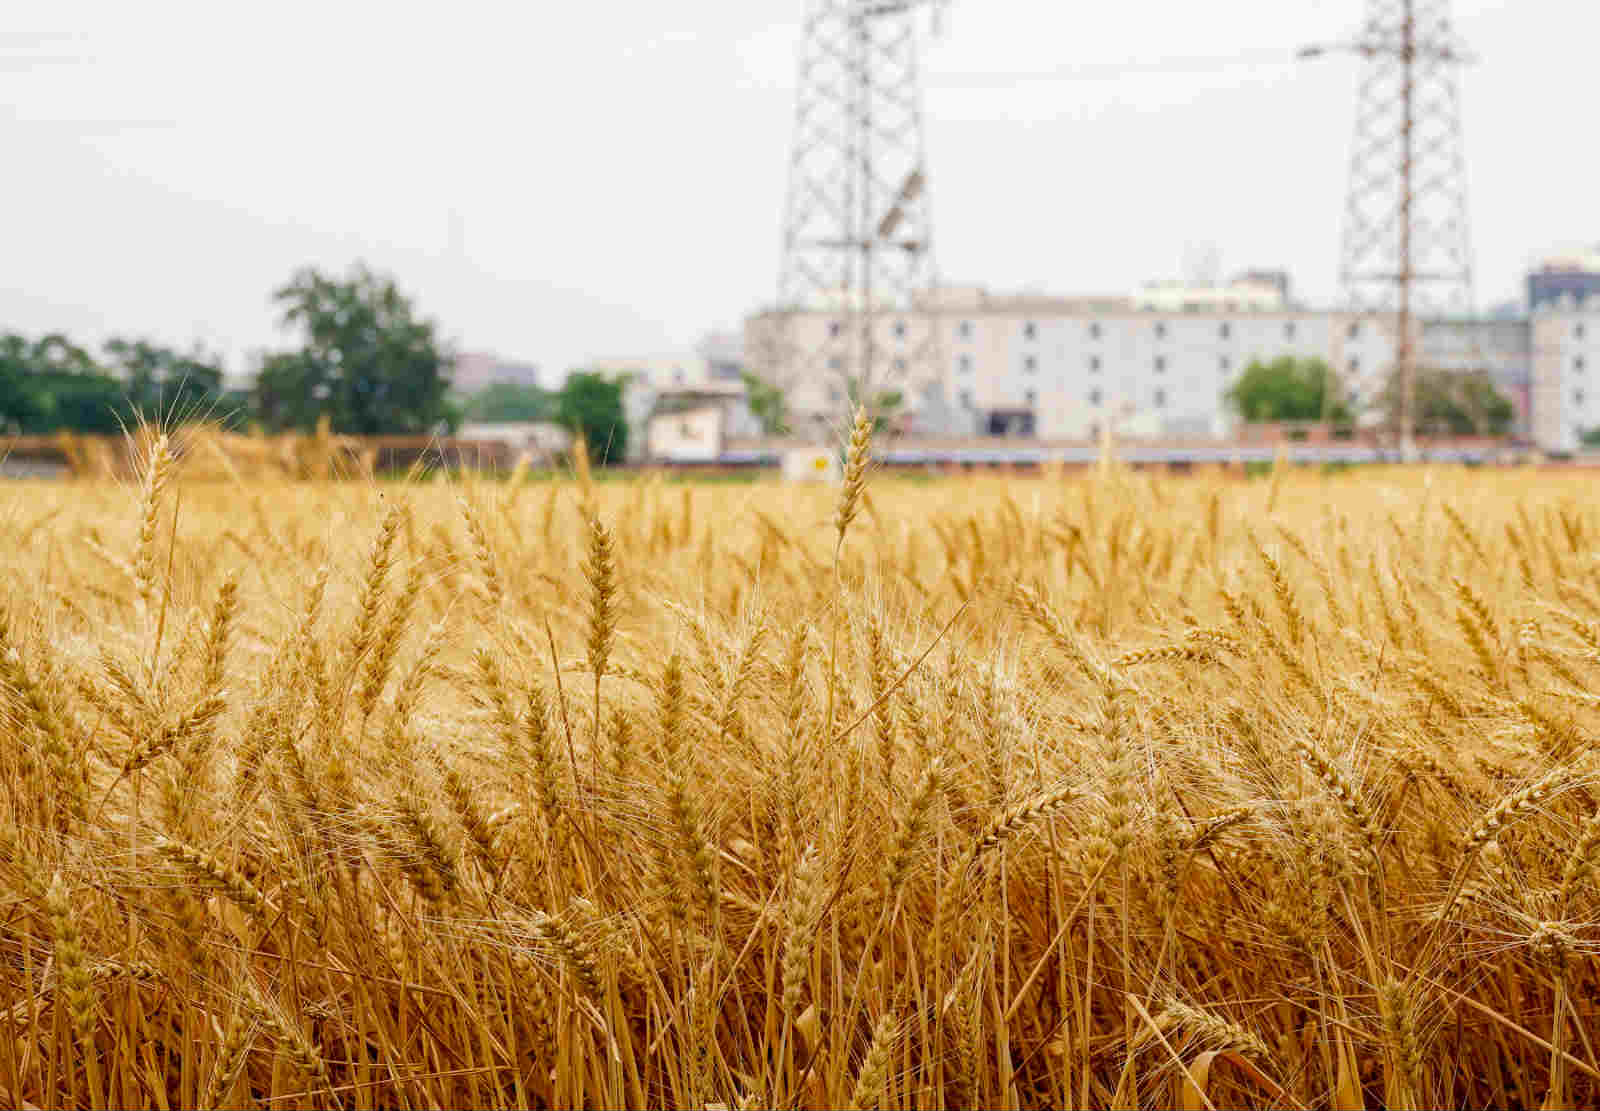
pixel 51 384
pixel 506 401
pixel 163 384
pixel 1456 404
pixel 591 403
pixel 1287 389
pixel 766 404
pixel 366 359
pixel 1590 437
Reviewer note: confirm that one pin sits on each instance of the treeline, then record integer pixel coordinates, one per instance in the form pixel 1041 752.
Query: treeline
pixel 51 384
pixel 365 360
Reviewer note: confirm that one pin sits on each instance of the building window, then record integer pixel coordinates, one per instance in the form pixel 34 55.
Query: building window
pixel 1354 329
pixel 834 328
pixel 1031 396
pixel 1094 397
pixel 1577 398
pixel 1355 364
pixel 1094 363
pixel 1224 363
pixel 964 329
pixel 834 394
pixel 966 399
pixel 1161 364
pixel 1225 330
pixel 1030 330
pixel 899 329
pixel 1577 332
pixel 1161 331
pixel 1094 330
pixel 1030 364
pixel 836 363
pixel 900 364
pixel 964 364
pixel 1577 364
pixel 1161 399
pixel 1288 330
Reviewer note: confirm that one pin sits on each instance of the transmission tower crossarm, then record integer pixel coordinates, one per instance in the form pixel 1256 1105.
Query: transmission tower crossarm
pixel 1368 49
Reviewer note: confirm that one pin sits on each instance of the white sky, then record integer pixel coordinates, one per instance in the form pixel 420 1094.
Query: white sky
pixel 616 168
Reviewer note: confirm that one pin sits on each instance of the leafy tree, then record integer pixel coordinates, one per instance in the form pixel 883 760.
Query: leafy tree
pixel 366 359
pixel 51 384
pixel 1590 437
pixel 162 383
pixel 1287 389
pixel 591 403
pixel 506 401
pixel 1461 404
pixel 766 404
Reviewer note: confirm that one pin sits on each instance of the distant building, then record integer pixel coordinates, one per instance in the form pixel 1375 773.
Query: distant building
pixel 474 372
pixel 1256 291
pixel 693 425
pixel 661 371
pixel 723 353
pixel 1276 280
pixel 1565 399
pixel 1566 279
pixel 1156 365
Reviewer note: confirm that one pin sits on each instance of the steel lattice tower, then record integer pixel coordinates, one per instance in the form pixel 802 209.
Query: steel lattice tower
pixel 858 230
pixel 1407 245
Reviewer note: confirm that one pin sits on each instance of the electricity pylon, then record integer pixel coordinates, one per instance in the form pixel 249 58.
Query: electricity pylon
pixel 1407 247
pixel 858 228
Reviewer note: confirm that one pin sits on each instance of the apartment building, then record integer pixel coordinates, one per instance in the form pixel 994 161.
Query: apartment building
pixel 1565 396
pixel 1057 368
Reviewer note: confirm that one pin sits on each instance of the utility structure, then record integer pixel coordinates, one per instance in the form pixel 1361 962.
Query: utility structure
pixel 858 228
pixel 1407 246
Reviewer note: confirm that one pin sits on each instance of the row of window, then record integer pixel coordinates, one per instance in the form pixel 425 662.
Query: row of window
pixel 1030 364
pixel 1030 330
pixel 1158 400
pixel 837 363
pixel 836 329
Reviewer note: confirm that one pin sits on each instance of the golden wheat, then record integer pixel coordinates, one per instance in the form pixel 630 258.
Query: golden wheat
pixel 595 793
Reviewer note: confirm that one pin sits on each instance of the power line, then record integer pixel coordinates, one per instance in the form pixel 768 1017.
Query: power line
pixel 1103 71
pixel 1114 70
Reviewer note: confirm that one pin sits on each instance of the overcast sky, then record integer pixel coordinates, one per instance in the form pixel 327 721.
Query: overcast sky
pixel 558 181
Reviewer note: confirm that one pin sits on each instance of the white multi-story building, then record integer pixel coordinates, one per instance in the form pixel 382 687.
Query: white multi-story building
pixel 1057 368
pixel 1565 398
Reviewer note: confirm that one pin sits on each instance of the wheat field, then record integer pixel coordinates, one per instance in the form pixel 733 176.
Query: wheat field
pixel 1103 790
